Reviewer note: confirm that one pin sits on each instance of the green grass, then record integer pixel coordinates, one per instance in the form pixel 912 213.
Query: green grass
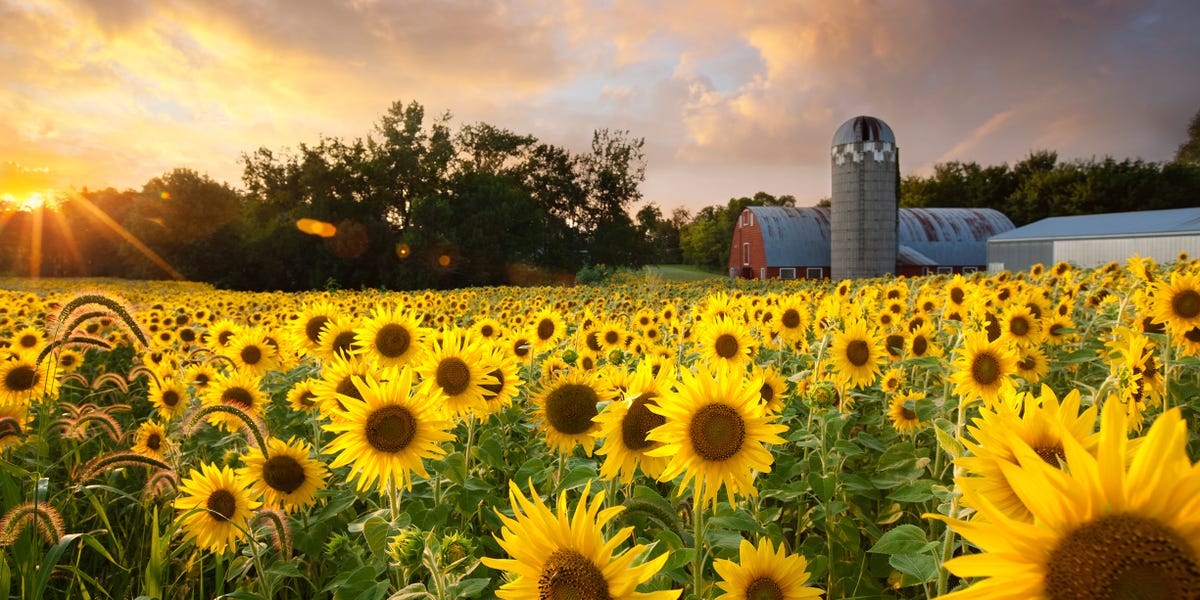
pixel 681 272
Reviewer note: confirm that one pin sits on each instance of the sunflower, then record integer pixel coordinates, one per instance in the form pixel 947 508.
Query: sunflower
pixel 1019 326
pixel 1058 330
pixel 218 335
pixel 1032 364
pixel 772 387
pixel 337 379
pixel 507 373
pixel 199 375
pixel 1041 422
pixel 302 397
pixel 764 572
pixel 392 336
pixel 151 440
pixel 337 338
pixel 892 380
pixel 69 359
pixel 1177 304
pixel 14 421
pixel 389 432
pixel 984 369
pixel 1118 524
pixel 857 353
pixel 287 477
pixel 488 328
pixel 249 351
pixel 714 433
pixel 28 340
pixel 625 423
pixel 23 381
pixel 455 367
pixel 239 388
pixel 566 556
pixel 566 407
pixel 548 329
pixel 793 319
pixel 902 410
pixel 725 341
pixel 215 507
pixel 922 342
pixel 306 331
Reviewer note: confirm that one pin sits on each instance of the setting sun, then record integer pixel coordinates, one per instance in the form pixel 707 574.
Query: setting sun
pixel 27 202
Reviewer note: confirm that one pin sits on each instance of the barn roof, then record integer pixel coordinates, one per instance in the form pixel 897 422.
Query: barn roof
pixel 1124 224
pixel 799 236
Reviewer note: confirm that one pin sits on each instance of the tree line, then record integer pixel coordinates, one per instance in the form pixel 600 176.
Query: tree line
pixel 416 205
pixel 412 205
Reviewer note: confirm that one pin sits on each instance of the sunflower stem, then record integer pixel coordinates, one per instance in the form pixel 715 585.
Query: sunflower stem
pixel 698 539
pixel 470 419
pixel 394 499
pixel 949 542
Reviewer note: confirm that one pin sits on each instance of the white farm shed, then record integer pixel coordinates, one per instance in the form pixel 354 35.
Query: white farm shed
pixel 1093 240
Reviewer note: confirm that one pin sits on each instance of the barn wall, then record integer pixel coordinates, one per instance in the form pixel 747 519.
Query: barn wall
pixel 1019 255
pixel 747 230
pixel 1097 252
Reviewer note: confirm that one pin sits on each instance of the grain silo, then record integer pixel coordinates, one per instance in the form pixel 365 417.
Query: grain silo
pixel 864 207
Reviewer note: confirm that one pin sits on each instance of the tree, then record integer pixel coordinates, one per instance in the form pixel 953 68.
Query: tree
pixel 1189 151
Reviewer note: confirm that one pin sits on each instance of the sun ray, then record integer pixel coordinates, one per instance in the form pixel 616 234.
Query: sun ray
pixel 98 214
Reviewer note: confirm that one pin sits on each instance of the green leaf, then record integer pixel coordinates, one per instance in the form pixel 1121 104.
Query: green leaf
pixel 922 567
pixel 454 467
pixel 376 529
pixel 470 588
pixel 946 441
pixel 578 477
pixel 917 491
pixel 905 539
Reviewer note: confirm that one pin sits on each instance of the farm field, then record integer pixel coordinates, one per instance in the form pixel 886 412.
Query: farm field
pixel 1009 435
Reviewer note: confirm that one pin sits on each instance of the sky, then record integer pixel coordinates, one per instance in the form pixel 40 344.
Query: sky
pixel 731 97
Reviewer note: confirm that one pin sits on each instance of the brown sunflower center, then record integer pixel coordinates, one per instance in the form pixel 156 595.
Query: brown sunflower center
pixel 717 432
pixel 545 329
pixel 570 408
pixel 307 399
pixel 391 429
pixel 487 330
pixel 154 441
pixel 393 340
pixel 342 342
pixel 240 397
pixel 612 337
pixel 858 352
pixel 453 375
pixel 491 389
pixel 223 337
pixel 1027 363
pixel 1149 325
pixel 20 379
pixel 346 387
pixel 592 340
pixel 1192 335
pixel 919 345
pixel 895 344
pixel 221 504
pixel 957 295
pixel 790 318
pixel 1018 326
pixel 985 369
pixel 638 422
pixel 312 329
pixel 251 355
pixel 283 473
pixel 1123 556
pixel 764 588
pixel 521 348
pixel 67 361
pixel 767 393
pixel 1186 304
pixel 568 575
pixel 28 341
pixel 726 345
pixel 908 414
pixel 201 380
pixel 1052 454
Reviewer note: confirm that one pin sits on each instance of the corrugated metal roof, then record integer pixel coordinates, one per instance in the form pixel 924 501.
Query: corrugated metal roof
pixel 799 236
pixel 1124 224
pixel 863 129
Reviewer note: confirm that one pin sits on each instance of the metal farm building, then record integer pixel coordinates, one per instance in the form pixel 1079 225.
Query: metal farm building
pixel 795 242
pixel 1092 240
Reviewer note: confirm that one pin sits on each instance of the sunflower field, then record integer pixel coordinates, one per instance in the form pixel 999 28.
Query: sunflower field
pixel 1028 435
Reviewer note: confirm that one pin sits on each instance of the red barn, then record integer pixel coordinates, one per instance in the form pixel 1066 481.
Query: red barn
pixel 786 242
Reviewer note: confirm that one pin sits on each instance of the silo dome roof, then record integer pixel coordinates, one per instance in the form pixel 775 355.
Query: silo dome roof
pixel 863 129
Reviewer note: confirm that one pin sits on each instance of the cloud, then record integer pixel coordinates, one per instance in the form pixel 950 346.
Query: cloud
pixel 731 97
